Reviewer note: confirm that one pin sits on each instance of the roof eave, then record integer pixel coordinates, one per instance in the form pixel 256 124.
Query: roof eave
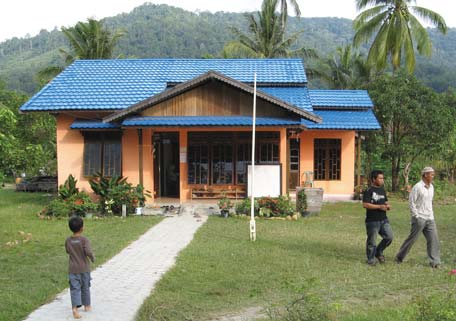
pixel 60 111
pixel 345 128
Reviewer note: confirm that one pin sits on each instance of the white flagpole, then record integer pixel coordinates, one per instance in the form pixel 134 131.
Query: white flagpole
pixel 252 185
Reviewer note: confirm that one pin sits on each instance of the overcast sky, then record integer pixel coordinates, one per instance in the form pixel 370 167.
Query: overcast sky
pixel 21 17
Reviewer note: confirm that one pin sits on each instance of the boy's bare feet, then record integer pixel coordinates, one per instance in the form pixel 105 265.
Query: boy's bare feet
pixel 87 308
pixel 76 314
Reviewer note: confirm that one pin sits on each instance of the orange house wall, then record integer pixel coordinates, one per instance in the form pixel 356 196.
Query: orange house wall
pixel 148 164
pixel 347 182
pixel 130 156
pixel 70 153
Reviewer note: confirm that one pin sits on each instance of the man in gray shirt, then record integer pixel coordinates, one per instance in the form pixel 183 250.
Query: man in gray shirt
pixel 422 219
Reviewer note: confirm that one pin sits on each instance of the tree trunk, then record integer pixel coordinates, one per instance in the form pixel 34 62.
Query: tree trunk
pixel 407 169
pixel 368 165
pixel 395 174
pixel 369 149
pixel 406 174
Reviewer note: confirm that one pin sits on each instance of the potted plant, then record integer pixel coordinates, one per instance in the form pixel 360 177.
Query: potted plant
pixel 301 201
pixel 225 204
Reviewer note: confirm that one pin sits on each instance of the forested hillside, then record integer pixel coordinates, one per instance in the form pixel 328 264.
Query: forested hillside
pixel 164 31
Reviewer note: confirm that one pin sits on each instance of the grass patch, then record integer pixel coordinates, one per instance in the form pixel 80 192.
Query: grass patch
pixel 33 273
pixel 222 272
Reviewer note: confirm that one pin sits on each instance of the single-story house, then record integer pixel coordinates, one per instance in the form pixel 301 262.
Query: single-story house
pixel 184 126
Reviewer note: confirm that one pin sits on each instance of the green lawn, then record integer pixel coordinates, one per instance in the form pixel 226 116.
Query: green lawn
pixel 221 271
pixel 33 273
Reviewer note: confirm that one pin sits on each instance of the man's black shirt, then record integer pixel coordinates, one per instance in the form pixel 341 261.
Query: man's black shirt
pixel 375 195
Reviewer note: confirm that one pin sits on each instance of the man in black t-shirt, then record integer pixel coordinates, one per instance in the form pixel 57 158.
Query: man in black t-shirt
pixel 376 204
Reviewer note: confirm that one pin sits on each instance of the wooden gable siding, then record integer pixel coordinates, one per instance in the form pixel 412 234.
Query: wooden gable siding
pixel 215 99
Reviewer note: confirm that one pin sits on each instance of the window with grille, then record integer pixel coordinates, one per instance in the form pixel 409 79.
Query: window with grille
pixel 198 163
pixel 327 159
pixel 222 164
pixel 102 153
pixel 244 157
pixel 269 153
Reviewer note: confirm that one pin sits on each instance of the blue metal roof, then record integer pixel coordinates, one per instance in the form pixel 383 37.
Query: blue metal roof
pixel 92 124
pixel 207 121
pixel 114 84
pixel 344 119
pixel 117 84
pixel 297 96
pixel 340 98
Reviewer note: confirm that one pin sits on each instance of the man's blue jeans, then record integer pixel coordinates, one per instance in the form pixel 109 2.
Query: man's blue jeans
pixel 373 228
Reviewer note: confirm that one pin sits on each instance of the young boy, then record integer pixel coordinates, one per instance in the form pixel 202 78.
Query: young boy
pixel 78 249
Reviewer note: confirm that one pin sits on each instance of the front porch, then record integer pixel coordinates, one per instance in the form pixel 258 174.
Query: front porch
pixel 200 163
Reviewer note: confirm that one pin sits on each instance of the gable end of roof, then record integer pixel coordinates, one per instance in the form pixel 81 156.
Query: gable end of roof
pixel 185 86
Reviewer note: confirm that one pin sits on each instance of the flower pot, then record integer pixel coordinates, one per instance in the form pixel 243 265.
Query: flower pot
pixel 224 213
pixel 88 215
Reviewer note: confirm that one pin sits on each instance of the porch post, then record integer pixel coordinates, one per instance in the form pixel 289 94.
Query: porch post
pixel 148 163
pixel 183 165
pixel 358 165
pixel 140 147
pixel 283 159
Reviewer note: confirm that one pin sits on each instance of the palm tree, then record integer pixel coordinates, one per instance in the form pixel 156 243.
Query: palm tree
pixel 90 40
pixel 346 69
pixel 338 70
pixel 396 31
pixel 45 75
pixel 234 49
pixel 266 38
pixel 284 9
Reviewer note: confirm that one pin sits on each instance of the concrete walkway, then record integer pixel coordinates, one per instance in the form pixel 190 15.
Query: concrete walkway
pixel 120 286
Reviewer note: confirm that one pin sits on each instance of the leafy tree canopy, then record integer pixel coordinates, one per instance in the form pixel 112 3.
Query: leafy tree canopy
pixel 27 141
pixel 414 120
